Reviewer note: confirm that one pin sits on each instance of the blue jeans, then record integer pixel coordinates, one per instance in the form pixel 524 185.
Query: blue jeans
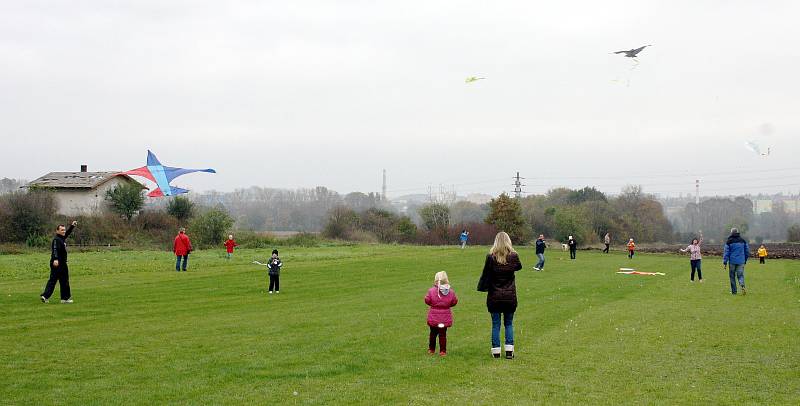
pixel 508 322
pixel 736 271
pixel 178 262
pixel 540 264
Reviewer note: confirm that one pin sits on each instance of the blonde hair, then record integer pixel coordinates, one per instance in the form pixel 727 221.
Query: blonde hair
pixel 441 278
pixel 501 248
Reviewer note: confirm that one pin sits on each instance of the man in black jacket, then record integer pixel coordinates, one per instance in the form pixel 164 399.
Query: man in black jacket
pixel 59 272
pixel 540 246
pixel 573 247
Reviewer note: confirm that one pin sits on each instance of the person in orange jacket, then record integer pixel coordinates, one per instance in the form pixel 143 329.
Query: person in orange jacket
pixel 631 248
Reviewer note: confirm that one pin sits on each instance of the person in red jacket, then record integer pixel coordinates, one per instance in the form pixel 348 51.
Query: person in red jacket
pixel 182 248
pixel 230 245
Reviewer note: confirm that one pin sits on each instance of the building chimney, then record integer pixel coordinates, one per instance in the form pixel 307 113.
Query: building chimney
pixel 84 168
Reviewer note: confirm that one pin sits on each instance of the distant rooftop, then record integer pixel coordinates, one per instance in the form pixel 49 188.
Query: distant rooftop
pixel 76 180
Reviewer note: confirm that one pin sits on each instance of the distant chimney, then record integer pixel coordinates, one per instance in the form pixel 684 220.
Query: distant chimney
pixel 84 168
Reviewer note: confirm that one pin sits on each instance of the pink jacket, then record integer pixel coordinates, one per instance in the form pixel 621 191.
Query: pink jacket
pixel 440 304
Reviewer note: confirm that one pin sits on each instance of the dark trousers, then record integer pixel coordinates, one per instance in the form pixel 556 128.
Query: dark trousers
pixel 60 275
pixel 606 249
pixel 178 266
pixel 572 253
pixel 274 282
pixel 696 267
pixel 442 333
pixel 630 253
pixel 761 260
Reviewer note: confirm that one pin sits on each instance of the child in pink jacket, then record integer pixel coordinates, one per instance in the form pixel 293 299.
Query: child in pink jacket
pixel 440 298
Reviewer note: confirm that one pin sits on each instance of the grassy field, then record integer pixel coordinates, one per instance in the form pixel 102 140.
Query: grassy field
pixel 349 328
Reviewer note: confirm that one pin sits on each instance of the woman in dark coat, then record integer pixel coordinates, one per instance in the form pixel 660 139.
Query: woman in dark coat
pixel 497 280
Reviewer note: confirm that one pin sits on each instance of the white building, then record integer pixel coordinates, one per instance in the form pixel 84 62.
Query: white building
pixel 82 193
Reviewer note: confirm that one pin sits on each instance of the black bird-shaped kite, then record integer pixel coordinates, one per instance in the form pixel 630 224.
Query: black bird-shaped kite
pixel 632 52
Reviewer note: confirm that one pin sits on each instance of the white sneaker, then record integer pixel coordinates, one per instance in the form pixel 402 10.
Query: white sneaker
pixel 270 292
pixel 44 299
pixel 536 269
pixel 277 291
pixel 67 301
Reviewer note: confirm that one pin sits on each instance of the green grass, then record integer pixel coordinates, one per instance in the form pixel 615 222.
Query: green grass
pixel 349 328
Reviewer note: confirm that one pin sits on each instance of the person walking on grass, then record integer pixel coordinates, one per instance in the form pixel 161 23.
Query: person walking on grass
pixel 59 269
pixel 274 265
pixel 631 248
pixel 498 280
pixel 762 254
pixel 607 242
pixel 695 257
pixel 440 298
pixel 230 244
pixel 464 237
pixel 540 247
pixel 735 254
pixel 573 247
pixel 182 247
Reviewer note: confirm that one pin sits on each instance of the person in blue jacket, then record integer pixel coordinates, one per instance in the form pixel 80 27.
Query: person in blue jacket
pixel 464 237
pixel 734 257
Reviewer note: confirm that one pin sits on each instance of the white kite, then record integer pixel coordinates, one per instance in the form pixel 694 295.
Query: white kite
pixel 472 79
pixel 752 146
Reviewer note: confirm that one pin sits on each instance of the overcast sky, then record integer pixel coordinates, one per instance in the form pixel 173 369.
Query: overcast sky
pixel 303 93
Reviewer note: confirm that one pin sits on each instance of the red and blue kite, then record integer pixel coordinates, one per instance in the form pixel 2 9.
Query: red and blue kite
pixel 162 176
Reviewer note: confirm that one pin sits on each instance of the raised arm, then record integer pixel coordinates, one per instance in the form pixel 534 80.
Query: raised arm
pixel 71 227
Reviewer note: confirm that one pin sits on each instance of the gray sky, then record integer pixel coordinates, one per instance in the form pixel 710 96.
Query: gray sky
pixel 305 93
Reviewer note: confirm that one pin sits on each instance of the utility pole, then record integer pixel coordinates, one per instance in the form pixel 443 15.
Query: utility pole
pixel 697 193
pixel 518 186
pixel 383 195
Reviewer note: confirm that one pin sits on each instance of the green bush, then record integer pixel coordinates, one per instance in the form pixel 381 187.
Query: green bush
pixel 210 228
pixel 255 240
pixel 181 208
pixel 26 214
pixel 126 199
pixel 38 241
pixel 303 240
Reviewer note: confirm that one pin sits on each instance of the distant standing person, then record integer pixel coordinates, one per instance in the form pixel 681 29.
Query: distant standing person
pixel 631 248
pixel 182 247
pixel 498 280
pixel 736 253
pixel 607 242
pixel 573 247
pixel 762 254
pixel 230 244
pixel 540 247
pixel 695 257
pixel 59 270
pixel 274 265
pixel 440 298
pixel 464 237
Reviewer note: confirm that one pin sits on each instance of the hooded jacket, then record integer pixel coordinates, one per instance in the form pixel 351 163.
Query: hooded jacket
pixel 440 301
pixel 182 245
pixel 499 281
pixel 762 252
pixel 736 250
